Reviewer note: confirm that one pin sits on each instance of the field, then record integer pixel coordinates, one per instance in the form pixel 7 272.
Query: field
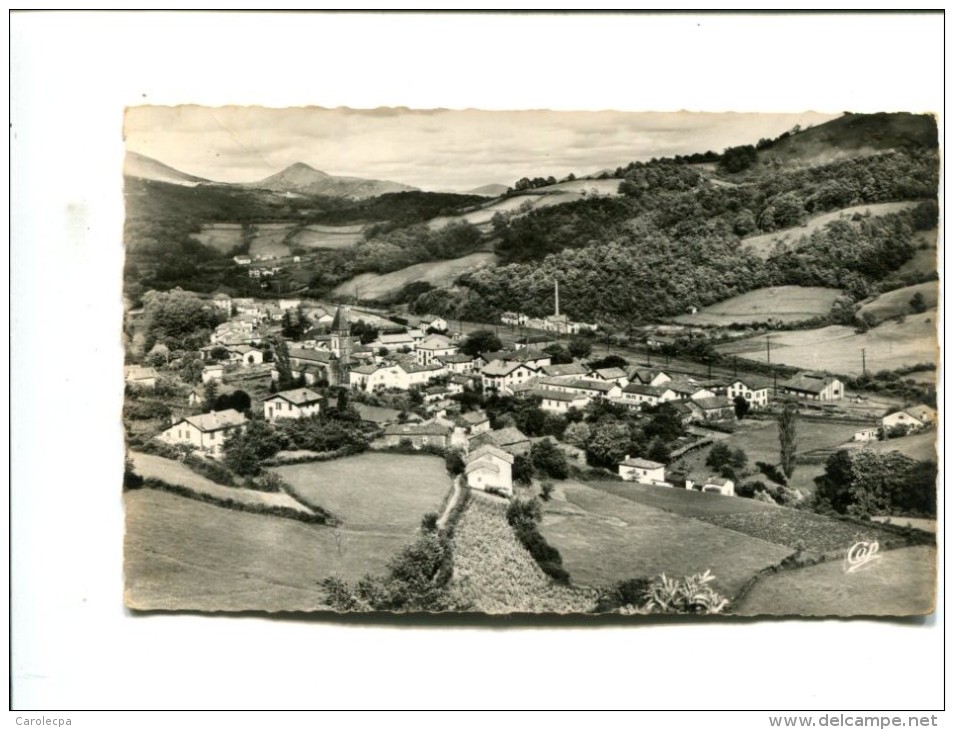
pixel 605 538
pixel 680 501
pixel 438 273
pixel 779 303
pixel 924 260
pixel 183 554
pixel 565 192
pixel 764 244
pixel 494 573
pixel 900 582
pixel 175 472
pixel 316 236
pixel 838 349
pixel 898 302
pixel 382 492
pixel 920 446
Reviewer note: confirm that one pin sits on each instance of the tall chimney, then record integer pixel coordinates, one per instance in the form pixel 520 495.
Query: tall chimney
pixel 556 298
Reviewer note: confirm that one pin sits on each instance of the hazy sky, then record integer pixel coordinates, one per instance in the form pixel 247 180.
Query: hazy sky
pixel 431 149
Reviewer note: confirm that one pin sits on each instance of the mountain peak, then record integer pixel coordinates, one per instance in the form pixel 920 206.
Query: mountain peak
pixel 302 178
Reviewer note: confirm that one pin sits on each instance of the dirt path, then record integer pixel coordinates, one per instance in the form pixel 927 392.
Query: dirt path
pixel 451 503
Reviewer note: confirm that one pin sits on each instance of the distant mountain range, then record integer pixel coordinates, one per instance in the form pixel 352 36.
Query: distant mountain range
pixel 298 178
pixel 306 180
pixel 146 168
pixel 494 190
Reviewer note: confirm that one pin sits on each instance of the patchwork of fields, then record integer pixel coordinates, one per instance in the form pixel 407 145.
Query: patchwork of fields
pixel 437 273
pixel 838 348
pixel 182 554
pixel 898 302
pixel 278 239
pixel 764 244
pixel 778 303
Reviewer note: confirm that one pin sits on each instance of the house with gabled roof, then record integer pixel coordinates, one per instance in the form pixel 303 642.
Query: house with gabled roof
pixel 755 389
pixel 913 418
pixel 639 394
pixel 510 439
pixel 457 363
pixel 418 434
pixel 378 376
pixel 642 471
pixel 501 375
pixel 489 468
pixel 558 401
pixel 610 375
pixel 570 370
pixel 432 347
pixel 711 409
pixel 144 377
pixel 814 386
pixel 297 403
pixel 206 432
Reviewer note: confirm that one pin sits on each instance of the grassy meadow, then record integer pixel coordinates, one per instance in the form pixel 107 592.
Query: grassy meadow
pixel 779 303
pixel 437 273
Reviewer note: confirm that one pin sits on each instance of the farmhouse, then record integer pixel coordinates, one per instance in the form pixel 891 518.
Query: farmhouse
pixel 206 432
pixel 419 435
pixel 298 403
pixel 711 409
pixel 642 471
pixel 718 485
pixel 592 389
pixel 421 374
pixel 141 376
pixel 314 365
pixel 489 468
pixel 753 388
pixel 865 435
pixel 510 439
pixel 464 426
pixel 911 419
pixel 246 355
pixel 814 386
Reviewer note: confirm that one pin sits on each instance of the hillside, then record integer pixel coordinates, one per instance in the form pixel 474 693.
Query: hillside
pixel 854 135
pixel 146 168
pixel 494 190
pixel 306 180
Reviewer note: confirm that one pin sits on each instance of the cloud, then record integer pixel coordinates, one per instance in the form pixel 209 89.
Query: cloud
pixel 431 149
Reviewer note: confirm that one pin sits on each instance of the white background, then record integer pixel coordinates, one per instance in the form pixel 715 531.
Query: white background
pixel 73 644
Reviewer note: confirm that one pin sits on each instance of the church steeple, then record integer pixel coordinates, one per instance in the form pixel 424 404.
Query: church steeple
pixel 341 343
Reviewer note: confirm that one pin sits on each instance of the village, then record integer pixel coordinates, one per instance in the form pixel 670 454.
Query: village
pixel 425 361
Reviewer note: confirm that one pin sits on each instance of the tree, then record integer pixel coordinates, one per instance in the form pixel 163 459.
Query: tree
pixel 918 305
pixel 787 427
pixel 719 455
pixel 742 407
pixel 246 449
pixel 559 355
pixel 610 361
pixel 480 341
pixel 237 400
pixel 549 460
pixel 282 364
pixel 608 443
pixel 658 451
pixel 158 355
pixel 172 315
pixel 522 470
pixel 454 462
pixel 580 347
pixel 209 393
pixel 577 434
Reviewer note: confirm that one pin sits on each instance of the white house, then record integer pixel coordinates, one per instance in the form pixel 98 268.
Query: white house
pixel 488 467
pixel 718 485
pixel 513 318
pixel 432 347
pixel 246 355
pixel 866 434
pixel 754 389
pixel 373 377
pixel 814 386
pixel 501 375
pixel 213 373
pixel 592 389
pixel 642 471
pixel 206 432
pixel 422 374
pixel 915 418
pixel 289 304
pixel 639 394
pixel 557 401
pixel 298 403
pixel 611 375
pixel 457 363
pixel 242 260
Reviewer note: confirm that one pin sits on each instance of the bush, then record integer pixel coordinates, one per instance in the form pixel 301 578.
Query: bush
pixel 546 490
pixel 523 516
pixel 454 461
pixel 210 470
pixel 429 522
pixel 772 472
pixel 691 594
pixel 633 592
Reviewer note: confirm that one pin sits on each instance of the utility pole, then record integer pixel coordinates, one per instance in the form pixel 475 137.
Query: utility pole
pixel 768 350
pixel 864 369
pixel 735 366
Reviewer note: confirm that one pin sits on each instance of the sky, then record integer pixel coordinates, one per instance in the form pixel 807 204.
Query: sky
pixel 431 149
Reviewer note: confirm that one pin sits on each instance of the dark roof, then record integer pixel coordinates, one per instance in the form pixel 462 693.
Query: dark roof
pixel 642 463
pixel 299 396
pixel 754 382
pixel 341 320
pixel 713 404
pixel 322 356
pixel 216 420
pixel 808 382
pixel 656 390
pixel 571 368
pixel 502 438
pixel 455 358
pixel 559 395
pixel 611 373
